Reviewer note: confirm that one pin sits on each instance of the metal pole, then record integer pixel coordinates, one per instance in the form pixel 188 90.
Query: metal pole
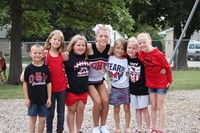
pixel 184 30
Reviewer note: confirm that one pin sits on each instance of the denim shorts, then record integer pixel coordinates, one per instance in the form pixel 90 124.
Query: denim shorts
pixel 159 91
pixel 38 109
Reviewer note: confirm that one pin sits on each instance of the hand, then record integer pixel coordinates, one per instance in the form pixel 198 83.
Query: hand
pixel 28 103
pixel 163 71
pixel 168 84
pixel 65 56
pixel 48 103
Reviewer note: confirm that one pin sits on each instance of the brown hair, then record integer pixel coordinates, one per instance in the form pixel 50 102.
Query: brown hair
pixel 47 44
pixel 74 40
pixel 122 42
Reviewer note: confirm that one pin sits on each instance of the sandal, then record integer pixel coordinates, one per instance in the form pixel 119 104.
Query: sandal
pixel 154 131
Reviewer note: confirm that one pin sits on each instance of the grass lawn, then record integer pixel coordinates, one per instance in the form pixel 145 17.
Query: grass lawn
pixel 11 92
pixel 186 80
pixel 182 80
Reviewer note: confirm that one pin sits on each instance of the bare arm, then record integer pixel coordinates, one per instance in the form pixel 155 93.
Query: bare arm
pixel 110 50
pixel 49 92
pixel 89 49
pixel 22 76
pixel 25 90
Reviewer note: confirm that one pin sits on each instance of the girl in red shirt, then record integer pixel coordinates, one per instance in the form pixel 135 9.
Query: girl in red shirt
pixel 54 46
pixel 158 83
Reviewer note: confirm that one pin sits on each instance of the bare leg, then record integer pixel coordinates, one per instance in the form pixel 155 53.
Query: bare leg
pixel 96 104
pixel 127 117
pixel 32 122
pixel 117 119
pixel 71 110
pixel 79 115
pixel 153 100
pixel 146 117
pixel 41 124
pixel 139 119
pixel 161 110
pixel 103 91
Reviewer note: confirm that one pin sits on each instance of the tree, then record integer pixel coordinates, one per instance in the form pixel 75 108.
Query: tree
pixel 167 13
pixel 36 18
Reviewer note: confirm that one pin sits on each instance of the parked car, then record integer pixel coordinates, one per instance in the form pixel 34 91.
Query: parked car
pixel 193 50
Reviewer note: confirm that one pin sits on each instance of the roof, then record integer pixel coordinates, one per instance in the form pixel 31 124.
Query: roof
pixel 165 31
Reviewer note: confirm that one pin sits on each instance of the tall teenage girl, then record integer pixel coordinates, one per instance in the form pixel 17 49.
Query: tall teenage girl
pixel 54 45
pixel 98 54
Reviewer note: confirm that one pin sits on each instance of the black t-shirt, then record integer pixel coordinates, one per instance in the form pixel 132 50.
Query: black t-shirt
pixel 37 79
pixel 77 72
pixel 137 79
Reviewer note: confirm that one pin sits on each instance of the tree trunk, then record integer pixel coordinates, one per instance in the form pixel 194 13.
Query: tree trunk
pixel 181 61
pixel 15 51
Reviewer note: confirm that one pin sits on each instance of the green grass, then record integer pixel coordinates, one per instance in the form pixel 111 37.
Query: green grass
pixel 11 92
pixel 186 80
pixel 182 80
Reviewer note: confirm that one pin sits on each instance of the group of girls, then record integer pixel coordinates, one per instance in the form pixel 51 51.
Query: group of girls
pixel 134 77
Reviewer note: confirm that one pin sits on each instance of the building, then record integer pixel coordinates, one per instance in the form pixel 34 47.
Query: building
pixel 4 41
pixel 169 42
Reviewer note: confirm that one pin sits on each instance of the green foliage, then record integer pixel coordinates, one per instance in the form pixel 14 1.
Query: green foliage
pixel 86 14
pixel 149 29
pixel 36 23
pixel 40 17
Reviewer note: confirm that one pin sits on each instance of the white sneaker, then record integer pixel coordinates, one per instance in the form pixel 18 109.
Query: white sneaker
pixel 96 130
pixel 104 129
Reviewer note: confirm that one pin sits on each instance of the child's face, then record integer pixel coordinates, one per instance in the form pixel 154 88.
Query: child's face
pixel 144 43
pixel 79 47
pixel 55 41
pixel 118 50
pixel 37 54
pixel 132 49
pixel 103 37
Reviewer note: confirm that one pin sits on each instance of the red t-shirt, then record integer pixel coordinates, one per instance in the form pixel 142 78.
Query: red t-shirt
pixel 2 64
pixel 154 62
pixel 57 72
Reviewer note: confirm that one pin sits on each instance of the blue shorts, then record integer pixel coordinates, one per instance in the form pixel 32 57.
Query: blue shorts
pixel 159 91
pixel 38 109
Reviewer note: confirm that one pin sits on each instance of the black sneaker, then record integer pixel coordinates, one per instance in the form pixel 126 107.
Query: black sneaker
pixel 80 132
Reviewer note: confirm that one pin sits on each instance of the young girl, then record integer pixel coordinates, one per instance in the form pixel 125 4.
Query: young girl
pixel 157 83
pixel 138 91
pixel 77 70
pixel 119 94
pixel 98 54
pixel 2 68
pixel 54 46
